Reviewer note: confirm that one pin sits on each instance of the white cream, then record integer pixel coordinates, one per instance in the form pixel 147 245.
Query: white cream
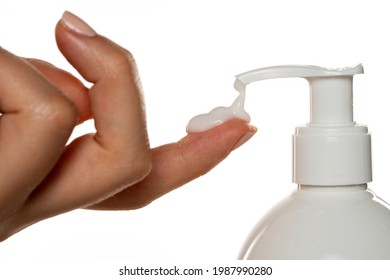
pixel 220 115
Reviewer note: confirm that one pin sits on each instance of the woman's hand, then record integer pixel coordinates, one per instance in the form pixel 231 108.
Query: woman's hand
pixel 113 168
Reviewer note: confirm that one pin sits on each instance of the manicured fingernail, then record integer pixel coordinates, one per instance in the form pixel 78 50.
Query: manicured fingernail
pixel 76 24
pixel 248 135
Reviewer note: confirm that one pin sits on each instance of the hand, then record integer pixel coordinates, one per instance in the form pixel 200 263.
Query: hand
pixel 113 168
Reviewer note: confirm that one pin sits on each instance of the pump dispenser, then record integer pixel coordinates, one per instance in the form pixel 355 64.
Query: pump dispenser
pixel 332 214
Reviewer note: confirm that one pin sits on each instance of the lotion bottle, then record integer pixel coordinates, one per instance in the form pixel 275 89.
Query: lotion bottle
pixel 332 214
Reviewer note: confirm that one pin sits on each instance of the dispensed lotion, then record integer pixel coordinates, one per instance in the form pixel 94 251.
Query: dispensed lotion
pixel 332 214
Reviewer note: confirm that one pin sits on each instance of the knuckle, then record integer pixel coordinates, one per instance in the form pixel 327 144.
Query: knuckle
pixel 58 111
pixel 132 168
pixel 124 57
pixel 138 168
pixel 121 62
pixel 127 164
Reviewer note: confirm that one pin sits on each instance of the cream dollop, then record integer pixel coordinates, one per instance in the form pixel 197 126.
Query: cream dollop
pixel 220 115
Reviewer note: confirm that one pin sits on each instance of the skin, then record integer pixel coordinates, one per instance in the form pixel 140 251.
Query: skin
pixel 112 169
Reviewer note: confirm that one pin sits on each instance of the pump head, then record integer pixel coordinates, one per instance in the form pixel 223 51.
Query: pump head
pixel 331 149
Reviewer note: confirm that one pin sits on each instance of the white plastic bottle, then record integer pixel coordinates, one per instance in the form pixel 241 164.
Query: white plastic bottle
pixel 332 214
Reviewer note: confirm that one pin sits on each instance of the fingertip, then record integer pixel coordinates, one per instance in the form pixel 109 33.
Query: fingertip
pixel 219 141
pixel 245 138
pixel 253 129
pixel 234 127
pixel 237 132
pixel 75 24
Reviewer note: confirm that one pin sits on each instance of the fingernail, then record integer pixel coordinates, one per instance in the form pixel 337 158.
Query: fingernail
pixel 76 24
pixel 248 135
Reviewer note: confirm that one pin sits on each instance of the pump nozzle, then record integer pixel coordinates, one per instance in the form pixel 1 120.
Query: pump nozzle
pixel 331 149
pixel 292 71
pixel 330 89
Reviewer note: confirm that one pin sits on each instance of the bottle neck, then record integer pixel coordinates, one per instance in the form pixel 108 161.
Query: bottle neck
pixel 357 187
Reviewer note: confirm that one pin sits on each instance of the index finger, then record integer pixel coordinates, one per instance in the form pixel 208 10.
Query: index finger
pixel 116 96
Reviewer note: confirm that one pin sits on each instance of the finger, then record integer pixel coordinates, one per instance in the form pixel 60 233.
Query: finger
pixel 178 163
pixel 72 87
pixel 36 121
pixel 116 96
pixel 98 165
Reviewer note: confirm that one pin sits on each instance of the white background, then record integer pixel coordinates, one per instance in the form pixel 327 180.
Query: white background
pixel 188 53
